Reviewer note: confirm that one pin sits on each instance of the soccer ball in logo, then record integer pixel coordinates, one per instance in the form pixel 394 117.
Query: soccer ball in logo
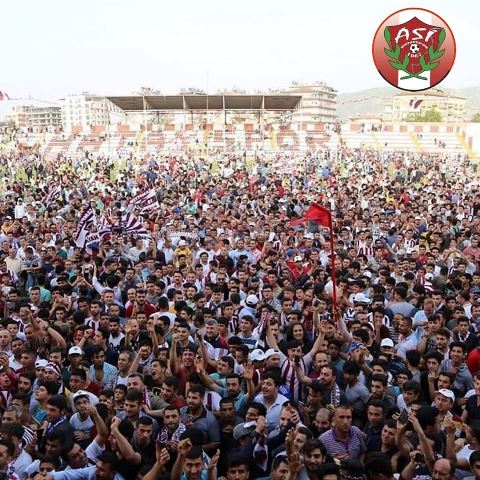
pixel 414 48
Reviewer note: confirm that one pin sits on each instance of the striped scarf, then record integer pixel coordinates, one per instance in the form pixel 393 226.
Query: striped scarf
pixel 164 434
pixel 335 395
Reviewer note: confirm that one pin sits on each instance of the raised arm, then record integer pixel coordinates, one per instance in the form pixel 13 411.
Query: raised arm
pixel 450 444
pixel 424 443
pixel 153 337
pixel 183 448
pixel 431 386
pixel 124 446
pixel 163 457
pixel 135 364
pixel 248 377
pixel 317 344
pixel 205 378
pixel 57 337
pixel 203 351
pixel 271 340
pixel 173 357
pixel 402 444
pixel 422 345
pixel 347 337
pixel 301 376
pixel 100 426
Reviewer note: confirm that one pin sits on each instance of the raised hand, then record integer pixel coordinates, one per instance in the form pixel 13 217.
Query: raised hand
pixel 261 424
pixel 414 421
pixel 162 455
pixel 199 364
pixel 184 446
pixel 214 461
pixel 290 437
pixel 294 464
pixel 449 425
pixel 115 423
pixel 248 371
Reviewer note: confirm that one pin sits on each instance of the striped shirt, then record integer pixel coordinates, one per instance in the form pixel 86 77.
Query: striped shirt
pixel 290 378
pixel 354 446
pixel 368 251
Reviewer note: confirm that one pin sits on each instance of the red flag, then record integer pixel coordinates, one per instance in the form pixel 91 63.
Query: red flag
pixel 315 213
pixel 4 96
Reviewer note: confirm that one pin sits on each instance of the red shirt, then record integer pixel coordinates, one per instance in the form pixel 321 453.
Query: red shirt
pixel 473 360
pixel 148 308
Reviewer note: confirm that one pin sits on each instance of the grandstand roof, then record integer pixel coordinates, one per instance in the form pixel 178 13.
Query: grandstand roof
pixel 138 103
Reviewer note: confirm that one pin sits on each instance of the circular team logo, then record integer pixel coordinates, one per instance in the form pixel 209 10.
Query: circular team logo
pixel 413 49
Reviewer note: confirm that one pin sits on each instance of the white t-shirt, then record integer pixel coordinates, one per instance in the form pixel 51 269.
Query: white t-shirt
pixel 84 426
pixel 21 463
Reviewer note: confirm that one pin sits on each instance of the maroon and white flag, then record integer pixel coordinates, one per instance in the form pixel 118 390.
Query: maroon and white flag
pixel 146 200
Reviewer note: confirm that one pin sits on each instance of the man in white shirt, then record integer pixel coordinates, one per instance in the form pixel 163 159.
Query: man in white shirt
pixel 13 262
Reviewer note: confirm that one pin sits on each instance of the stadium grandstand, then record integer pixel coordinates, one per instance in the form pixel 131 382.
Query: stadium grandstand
pixel 250 124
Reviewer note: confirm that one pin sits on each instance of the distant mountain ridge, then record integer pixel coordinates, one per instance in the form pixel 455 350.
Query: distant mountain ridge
pixel 372 100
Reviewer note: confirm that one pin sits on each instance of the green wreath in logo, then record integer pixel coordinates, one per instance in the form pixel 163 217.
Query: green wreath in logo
pixel 433 55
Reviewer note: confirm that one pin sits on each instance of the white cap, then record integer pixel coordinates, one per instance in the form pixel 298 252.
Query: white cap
pixel 41 363
pixel 387 342
pixel 361 298
pixel 298 258
pixel 92 398
pixel 257 355
pixel 75 351
pixel 447 393
pixel 270 352
pixel 309 236
pixel 182 243
pixel 251 299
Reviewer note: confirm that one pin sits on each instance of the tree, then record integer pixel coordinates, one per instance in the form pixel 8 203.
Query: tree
pixel 430 115
pixel 476 118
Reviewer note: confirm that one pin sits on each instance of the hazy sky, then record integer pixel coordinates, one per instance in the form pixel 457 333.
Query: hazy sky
pixel 52 48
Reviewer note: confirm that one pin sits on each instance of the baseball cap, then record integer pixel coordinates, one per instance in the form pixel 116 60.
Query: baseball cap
pixel 361 298
pixel 243 430
pixel 298 258
pixel 251 299
pixel 387 342
pixel 309 236
pixel 83 393
pixel 270 352
pixel 182 243
pixel 41 363
pixel 75 351
pixel 257 355
pixel 447 393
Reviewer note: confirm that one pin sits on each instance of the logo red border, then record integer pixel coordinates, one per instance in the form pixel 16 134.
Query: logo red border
pixel 424 10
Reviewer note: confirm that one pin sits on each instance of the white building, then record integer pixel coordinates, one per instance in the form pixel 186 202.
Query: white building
pixel 81 112
pixel 405 105
pixel 318 104
pixel 36 117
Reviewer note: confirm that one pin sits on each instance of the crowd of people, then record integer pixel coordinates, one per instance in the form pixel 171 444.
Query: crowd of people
pixel 213 348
